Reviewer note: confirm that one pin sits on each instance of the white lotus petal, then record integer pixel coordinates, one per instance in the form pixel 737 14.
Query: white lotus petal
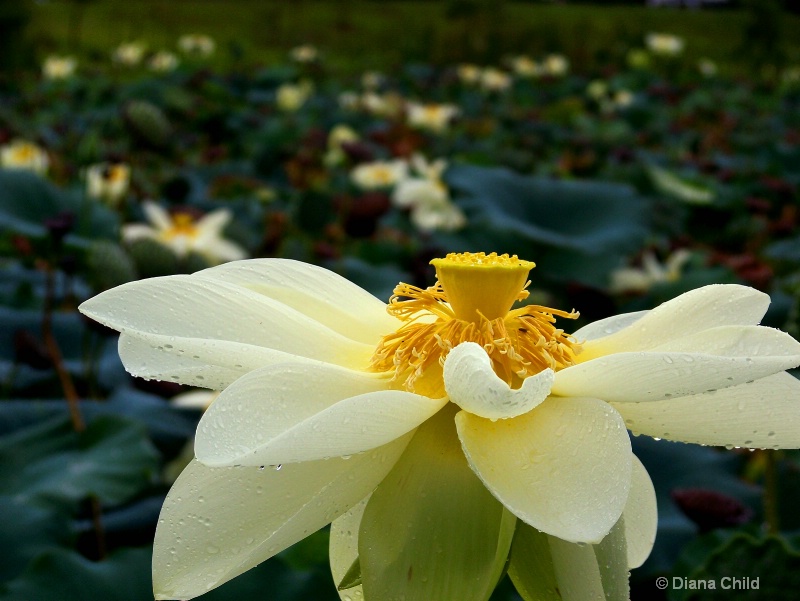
pixel 655 376
pixel 217 523
pixel 213 223
pixel 200 362
pixel 137 231
pixel 220 249
pixel 640 516
pixel 760 414
pixel 609 325
pixel 321 294
pixel 564 468
pixel 471 383
pixel 298 412
pixel 530 565
pixel 343 549
pixel 736 341
pixel 191 307
pixel 156 215
pixel 700 309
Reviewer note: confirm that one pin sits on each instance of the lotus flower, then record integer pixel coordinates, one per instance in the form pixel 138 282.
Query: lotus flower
pixel 447 435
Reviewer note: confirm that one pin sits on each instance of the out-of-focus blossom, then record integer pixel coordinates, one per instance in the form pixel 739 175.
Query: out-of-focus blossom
pixel 555 65
pixel 59 67
pixel 108 182
pixel 291 97
pixel 664 44
pixel 428 198
pixel 197 44
pixel 707 67
pixel 338 136
pixel 129 53
pixel 638 58
pixel 525 66
pixel 434 117
pixel 379 174
pixel 389 104
pixel 495 80
pixel 372 80
pixel 469 73
pixel 349 100
pixel 195 399
pixel 184 234
pixel 623 99
pixel 304 54
pixel 163 61
pixel 641 279
pixel 21 154
pixel 597 89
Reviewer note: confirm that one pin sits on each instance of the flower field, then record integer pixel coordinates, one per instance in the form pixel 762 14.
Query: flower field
pixel 630 181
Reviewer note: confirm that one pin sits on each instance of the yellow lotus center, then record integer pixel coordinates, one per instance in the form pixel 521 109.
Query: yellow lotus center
pixel 472 302
pixel 183 224
pixel 116 173
pixel 383 175
pixel 25 153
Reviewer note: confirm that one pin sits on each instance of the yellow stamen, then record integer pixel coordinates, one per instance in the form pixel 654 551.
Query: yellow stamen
pixel 471 302
pixel 183 224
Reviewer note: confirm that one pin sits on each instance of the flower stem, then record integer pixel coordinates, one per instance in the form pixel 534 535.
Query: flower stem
pixel 771 493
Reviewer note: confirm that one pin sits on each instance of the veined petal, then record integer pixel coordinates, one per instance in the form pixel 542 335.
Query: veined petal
pixel 564 468
pixel 298 412
pixel 431 530
pixel 471 383
pixel 760 414
pixel 321 294
pixel 655 376
pixel 697 310
pixel 343 550
pixel 640 516
pixel 200 362
pixel 217 523
pixel 191 307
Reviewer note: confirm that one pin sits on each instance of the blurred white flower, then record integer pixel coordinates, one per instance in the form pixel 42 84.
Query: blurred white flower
pixel 469 73
pixel 524 66
pixel 638 58
pixel 707 67
pixel 597 89
pixel 664 44
pixel 623 99
pixel 304 54
pixel 634 279
pixel 290 97
pixel 494 80
pixel 428 198
pixel 163 61
pixel 195 399
pixel 349 100
pixel 59 67
pixel 183 234
pixel 129 53
pixel 379 174
pixel 108 182
pixel 372 80
pixel 338 136
pixel 555 65
pixel 21 154
pixel 434 117
pixel 197 44
pixel 389 104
